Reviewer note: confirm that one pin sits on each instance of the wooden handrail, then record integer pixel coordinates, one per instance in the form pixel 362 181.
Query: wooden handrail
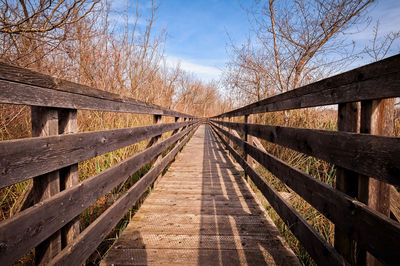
pixel 22 159
pixel 317 247
pixel 58 210
pixel 356 85
pixel 22 86
pixel 57 148
pixel 87 242
pixel 378 156
pixel 366 157
pixel 352 216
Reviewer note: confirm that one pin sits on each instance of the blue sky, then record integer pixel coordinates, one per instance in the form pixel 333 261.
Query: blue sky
pixel 197 30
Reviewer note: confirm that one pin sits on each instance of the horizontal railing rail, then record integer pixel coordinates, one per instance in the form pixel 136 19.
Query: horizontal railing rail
pixel 356 85
pixel 22 159
pixel 378 156
pixel 366 160
pixel 22 86
pixel 51 158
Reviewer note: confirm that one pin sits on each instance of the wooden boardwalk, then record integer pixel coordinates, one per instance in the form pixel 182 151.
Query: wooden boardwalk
pixel 201 212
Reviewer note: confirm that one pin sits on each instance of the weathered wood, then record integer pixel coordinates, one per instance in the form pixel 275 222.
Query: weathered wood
pixel 315 245
pixel 377 156
pixel 44 123
pixel 22 86
pixel 24 158
pixel 157 119
pixel 222 224
pixel 377 117
pixel 374 81
pixel 247 137
pixel 195 256
pixel 69 176
pixel 346 180
pixel 352 216
pixel 91 237
pixel 25 230
pixel 176 120
pixel 395 203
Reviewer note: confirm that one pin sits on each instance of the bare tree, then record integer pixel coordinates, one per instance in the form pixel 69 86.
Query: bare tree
pixel 29 30
pixel 380 47
pixel 295 43
pixel 41 16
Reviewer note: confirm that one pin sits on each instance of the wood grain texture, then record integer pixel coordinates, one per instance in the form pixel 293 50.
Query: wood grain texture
pixel 87 242
pixel 315 245
pixel 352 216
pixel 377 156
pixel 346 180
pixel 22 86
pixel 395 202
pixel 24 158
pixel 204 225
pixel 377 117
pixel 374 81
pixel 45 122
pixel 69 176
pixel 27 229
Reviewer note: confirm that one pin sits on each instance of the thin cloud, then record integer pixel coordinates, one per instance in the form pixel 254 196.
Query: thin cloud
pixel 204 72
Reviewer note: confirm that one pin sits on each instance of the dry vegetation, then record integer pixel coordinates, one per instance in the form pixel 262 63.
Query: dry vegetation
pixel 86 46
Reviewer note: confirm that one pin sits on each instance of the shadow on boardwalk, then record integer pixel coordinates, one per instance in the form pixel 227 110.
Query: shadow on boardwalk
pixel 234 229
pixel 202 212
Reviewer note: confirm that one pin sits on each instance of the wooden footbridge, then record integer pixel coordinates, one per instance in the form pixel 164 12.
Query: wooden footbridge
pixel 201 210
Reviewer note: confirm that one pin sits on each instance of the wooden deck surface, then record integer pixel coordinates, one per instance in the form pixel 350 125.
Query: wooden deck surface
pixel 202 212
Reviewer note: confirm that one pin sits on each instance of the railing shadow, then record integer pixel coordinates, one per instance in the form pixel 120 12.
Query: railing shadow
pixel 233 230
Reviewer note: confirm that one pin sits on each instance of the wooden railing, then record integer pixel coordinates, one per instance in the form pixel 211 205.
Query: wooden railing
pixel 51 158
pixel 359 206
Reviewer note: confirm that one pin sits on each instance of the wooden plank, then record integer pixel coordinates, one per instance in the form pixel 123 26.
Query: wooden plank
pixel 179 241
pixel 225 203
pixel 175 256
pixel 352 216
pixel 346 180
pixel 378 156
pixel 374 81
pixel 24 158
pixel 45 123
pixel 64 206
pixel 316 246
pixel 377 117
pixel 170 228
pixel 91 237
pixel 24 82
pixel 69 176
pixel 190 218
pixel 395 203
pixel 157 119
pixel 204 210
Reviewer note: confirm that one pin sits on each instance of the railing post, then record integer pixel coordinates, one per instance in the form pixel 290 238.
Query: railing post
pixel 176 120
pixel 157 119
pixel 230 132
pixel 248 138
pixel 377 118
pixel 45 123
pixel 346 180
pixel 69 176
